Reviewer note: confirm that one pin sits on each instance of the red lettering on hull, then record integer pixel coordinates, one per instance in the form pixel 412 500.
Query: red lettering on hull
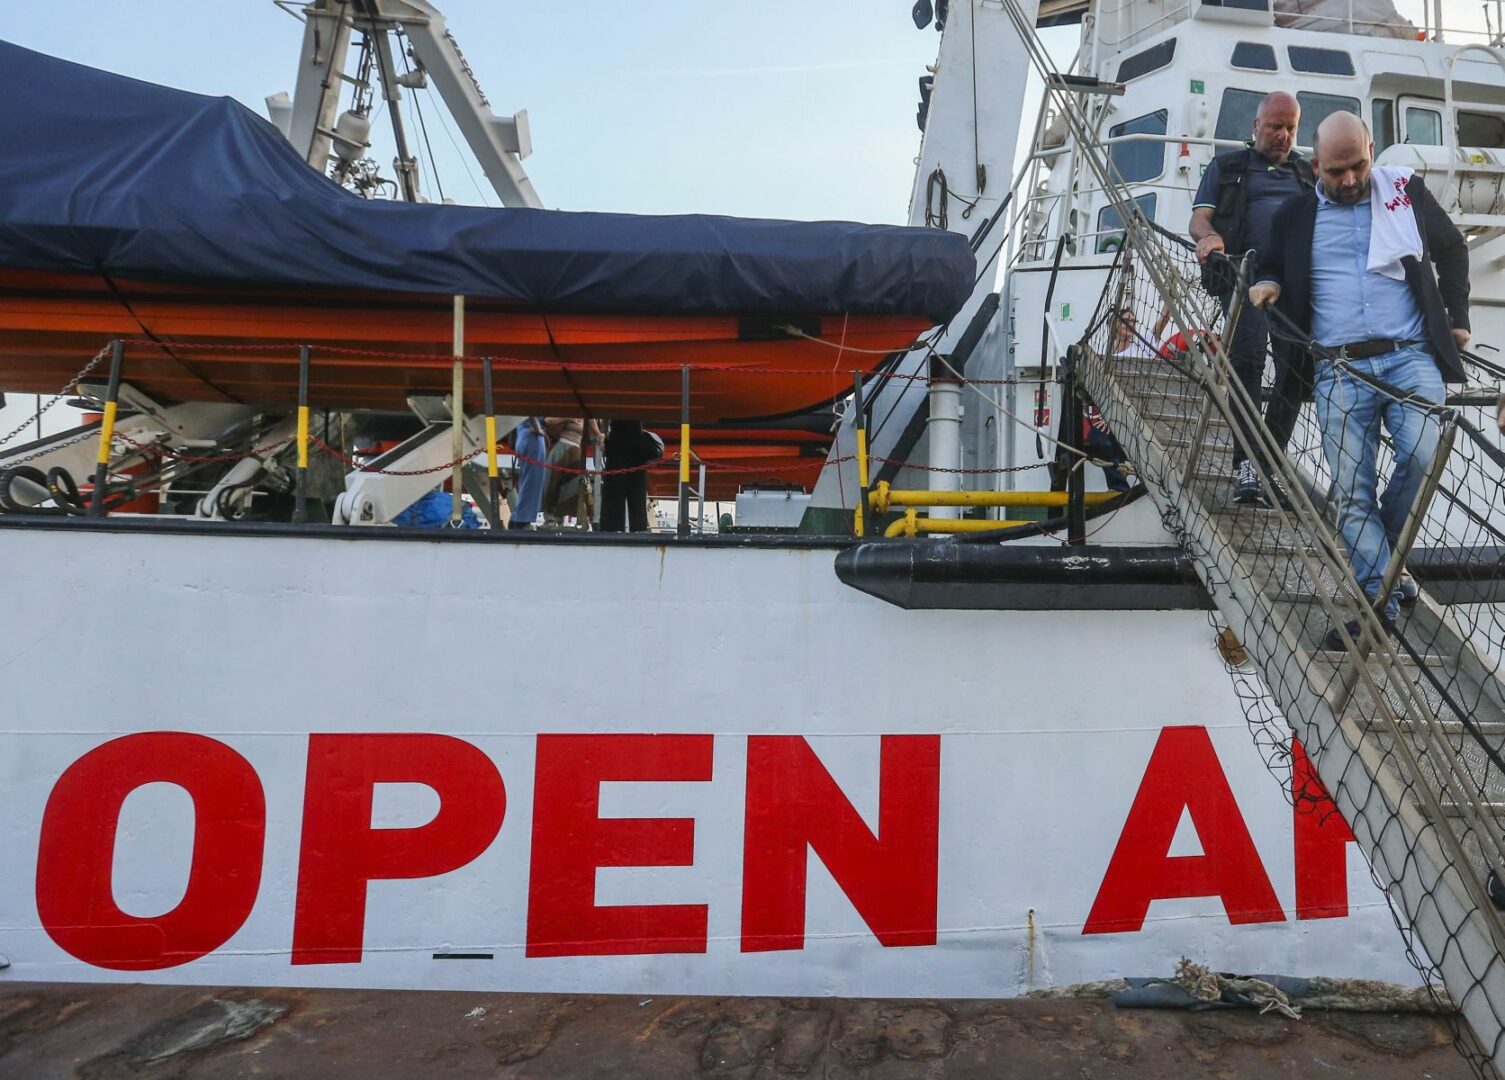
pixel 342 853
pixel 571 839
pixel 793 804
pixel 1184 774
pixel 76 856
pixel 1321 842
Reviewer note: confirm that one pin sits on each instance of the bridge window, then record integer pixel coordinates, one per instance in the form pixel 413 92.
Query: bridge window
pixel 1481 129
pixel 1139 161
pixel 1316 108
pixel 1110 235
pixel 1236 116
pixel 1320 61
pixel 1152 59
pixel 1253 56
pixel 1423 126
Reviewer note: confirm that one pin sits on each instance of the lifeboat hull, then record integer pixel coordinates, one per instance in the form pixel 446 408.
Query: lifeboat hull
pixel 374 350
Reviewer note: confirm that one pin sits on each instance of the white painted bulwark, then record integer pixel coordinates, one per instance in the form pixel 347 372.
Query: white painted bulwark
pixel 213 743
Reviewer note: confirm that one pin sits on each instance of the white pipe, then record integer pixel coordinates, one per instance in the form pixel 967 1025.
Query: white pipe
pixel 945 435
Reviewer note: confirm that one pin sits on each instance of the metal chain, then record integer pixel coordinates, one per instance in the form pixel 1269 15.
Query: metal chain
pixel 90 366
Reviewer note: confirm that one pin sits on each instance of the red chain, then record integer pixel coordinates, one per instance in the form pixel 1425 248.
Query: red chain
pixel 523 363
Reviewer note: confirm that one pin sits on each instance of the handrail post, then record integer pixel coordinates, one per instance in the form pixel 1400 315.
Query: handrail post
pixel 1416 516
pixel 493 475
pixel 1076 479
pixel 1217 384
pixel 107 431
pixel 300 497
pixel 457 417
pixel 700 495
pixel 859 412
pixel 683 530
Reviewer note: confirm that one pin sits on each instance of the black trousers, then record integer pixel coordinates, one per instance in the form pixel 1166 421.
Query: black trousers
pixel 624 502
pixel 1247 350
pixel 624 496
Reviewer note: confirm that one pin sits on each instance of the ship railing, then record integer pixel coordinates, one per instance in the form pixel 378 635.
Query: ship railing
pixel 1419 20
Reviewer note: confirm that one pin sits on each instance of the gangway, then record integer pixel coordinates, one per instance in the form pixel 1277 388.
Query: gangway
pixel 1403 731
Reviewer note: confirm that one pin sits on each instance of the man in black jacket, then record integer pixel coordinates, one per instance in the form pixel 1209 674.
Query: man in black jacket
pixel 1231 214
pixel 1348 269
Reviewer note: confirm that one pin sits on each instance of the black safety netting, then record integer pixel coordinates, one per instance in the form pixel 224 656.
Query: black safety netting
pixel 1398 703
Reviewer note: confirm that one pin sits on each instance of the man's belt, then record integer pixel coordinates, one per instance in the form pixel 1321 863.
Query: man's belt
pixel 1363 350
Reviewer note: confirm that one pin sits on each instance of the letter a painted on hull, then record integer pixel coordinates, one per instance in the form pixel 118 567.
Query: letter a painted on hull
pixel 342 852
pixel 571 839
pixel 76 856
pixel 1183 775
pixel 793 804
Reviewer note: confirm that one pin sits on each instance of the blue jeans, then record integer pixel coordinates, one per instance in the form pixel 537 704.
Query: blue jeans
pixel 1350 412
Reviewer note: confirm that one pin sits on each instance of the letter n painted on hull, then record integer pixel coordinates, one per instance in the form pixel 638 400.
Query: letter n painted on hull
pixel 792 804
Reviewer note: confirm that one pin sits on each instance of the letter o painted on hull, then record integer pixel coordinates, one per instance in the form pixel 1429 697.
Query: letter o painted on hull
pixel 75 861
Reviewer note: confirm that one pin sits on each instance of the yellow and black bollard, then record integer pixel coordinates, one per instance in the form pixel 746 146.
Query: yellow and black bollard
pixel 300 497
pixel 107 431
pixel 859 426
pixel 493 475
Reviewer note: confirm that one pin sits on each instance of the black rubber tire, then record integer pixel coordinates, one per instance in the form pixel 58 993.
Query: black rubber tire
pixel 11 505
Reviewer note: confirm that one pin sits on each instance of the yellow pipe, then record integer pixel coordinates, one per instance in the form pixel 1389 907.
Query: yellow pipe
pixel 911 524
pixel 684 453
pixel 883 498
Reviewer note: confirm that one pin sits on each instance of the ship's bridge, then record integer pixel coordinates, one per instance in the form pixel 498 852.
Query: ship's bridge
pixel 1184 81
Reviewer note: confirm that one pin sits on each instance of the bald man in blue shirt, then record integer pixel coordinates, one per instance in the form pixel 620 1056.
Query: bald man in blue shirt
pixel 1406 332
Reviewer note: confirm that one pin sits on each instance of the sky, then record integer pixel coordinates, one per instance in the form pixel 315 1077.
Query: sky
pixel 782 108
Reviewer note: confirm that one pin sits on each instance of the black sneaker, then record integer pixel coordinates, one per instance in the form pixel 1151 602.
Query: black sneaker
pixel 1282 497
pixel 1409 591
pixel 1246 490
pixel 1334 642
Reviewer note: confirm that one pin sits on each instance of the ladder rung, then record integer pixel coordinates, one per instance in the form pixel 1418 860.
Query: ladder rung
pixel 1448 727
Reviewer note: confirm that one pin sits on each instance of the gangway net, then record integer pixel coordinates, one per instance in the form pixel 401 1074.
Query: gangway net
pixel 1404 723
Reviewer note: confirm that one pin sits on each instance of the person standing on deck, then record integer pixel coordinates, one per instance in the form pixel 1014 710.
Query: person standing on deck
pixel 532 449
pixel 1351 266
pixel 624 494
pixel 1231 214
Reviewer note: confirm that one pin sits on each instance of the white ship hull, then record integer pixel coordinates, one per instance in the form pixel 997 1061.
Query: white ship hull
pixel 1037 764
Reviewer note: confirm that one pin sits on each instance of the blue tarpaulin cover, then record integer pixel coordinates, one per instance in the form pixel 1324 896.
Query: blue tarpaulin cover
pixel 99 172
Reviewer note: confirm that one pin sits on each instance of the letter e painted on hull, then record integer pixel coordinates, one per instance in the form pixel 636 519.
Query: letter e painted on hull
pixel 341 852
pixel 571 840
pixel 75 859
pixel 794 804
pixel 1183 775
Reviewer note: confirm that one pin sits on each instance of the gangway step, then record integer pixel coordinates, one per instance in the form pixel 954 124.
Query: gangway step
pixel 1452 728
pixel 1157 412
